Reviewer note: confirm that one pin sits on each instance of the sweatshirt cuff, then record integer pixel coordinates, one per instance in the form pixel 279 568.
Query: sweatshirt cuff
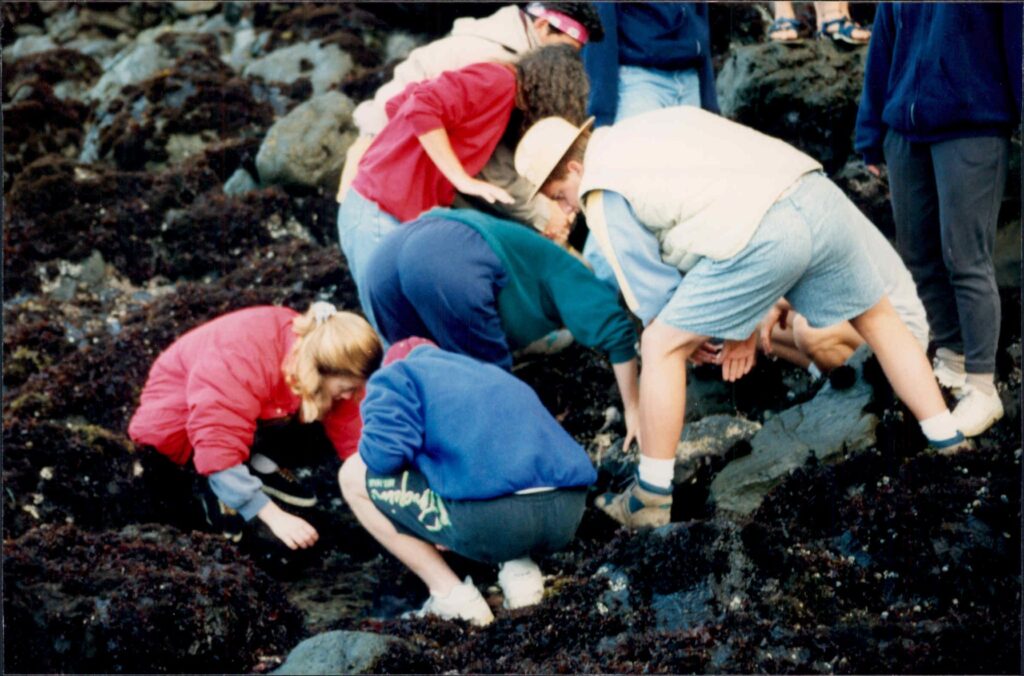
pixel 622 354
pixel 253 506
pixel 873 156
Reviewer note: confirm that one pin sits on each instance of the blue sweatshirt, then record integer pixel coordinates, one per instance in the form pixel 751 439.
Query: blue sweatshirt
pixel 664 36
pixel 474 431
pixel 940 71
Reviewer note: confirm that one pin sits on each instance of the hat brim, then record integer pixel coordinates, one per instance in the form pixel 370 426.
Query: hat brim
pixel 587 124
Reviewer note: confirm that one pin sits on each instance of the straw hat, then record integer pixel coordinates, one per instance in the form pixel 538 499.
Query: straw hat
pixel 542 146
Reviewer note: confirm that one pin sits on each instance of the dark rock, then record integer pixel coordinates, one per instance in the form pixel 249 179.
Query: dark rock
pixel 142 599
pixel 869 192
pixel 342 652
pixel 805 94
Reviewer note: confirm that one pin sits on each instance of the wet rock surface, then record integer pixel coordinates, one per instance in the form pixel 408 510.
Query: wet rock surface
pixel 341 652
pixel 132 213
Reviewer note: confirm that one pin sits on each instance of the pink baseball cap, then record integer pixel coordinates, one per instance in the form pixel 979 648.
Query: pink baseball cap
pixel 402 348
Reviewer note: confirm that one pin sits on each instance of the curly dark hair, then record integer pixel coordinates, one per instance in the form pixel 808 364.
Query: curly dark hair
pixel 584 13
pixel 550 81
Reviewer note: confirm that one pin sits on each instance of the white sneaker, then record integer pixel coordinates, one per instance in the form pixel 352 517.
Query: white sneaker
pixel 463 602
pixel 954 379
pixel 977 411
pixel 521 583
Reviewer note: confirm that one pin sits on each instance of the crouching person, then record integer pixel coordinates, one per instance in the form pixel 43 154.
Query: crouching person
pixel 460 455
pixel 208 391
pixel 706 224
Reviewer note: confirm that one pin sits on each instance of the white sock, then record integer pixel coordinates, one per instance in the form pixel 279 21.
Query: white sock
pixel 951 360
pixel 983 382
pixel 262 464
pixel 941 427
pixel 657 473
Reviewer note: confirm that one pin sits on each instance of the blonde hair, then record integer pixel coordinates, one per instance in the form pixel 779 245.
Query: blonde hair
pixel 341 344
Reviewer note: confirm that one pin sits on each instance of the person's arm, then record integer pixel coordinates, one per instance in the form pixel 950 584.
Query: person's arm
pixel 601 61
pixel 706 70
pixel 870 129
pixel 627 378
pixel 439 149
pixel 343 426
pixel 223 392
pixel 392 421
pixel 1013 16
pixel 237 488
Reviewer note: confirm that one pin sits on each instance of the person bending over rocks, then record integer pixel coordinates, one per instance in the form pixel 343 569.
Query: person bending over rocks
pixel 707 223
pixel 485 287
pixel 208 392
pixel 440 133
pixel 460 455
pixel 501 38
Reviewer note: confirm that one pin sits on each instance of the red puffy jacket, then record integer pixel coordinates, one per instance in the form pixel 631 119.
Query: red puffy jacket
pixel 205 392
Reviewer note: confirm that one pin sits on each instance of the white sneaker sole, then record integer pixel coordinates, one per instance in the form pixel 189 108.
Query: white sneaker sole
pixel 289 499
pixel 978 429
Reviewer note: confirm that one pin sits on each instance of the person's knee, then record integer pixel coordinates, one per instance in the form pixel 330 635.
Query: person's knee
pixel 352 478
pixel 660 340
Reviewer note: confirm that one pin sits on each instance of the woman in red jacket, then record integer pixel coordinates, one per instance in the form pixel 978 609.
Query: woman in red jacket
pixel 207 391
pixel 439 135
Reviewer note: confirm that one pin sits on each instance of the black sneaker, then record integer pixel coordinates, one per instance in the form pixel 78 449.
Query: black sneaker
pixel 283 485
pixel 222 519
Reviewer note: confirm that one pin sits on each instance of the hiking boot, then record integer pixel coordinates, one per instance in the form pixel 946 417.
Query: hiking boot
pixel 639 506
pixel 977 411
pixel 284 486
pixel 463 602
pixel 521 583
pixel 948 375
pixel 220 517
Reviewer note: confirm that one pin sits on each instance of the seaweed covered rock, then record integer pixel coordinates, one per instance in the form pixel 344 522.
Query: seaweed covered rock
pixel 341 652
pixel 352 28
pixel 87 475
pixel 176 223
pixel 804 94
pixel 323 65
pixel 142 599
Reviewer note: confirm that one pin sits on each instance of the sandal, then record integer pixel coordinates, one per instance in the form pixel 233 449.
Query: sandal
pixel 844 31
pixel 781 25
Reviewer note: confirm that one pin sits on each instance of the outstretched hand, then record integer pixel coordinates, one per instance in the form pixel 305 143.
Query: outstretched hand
pixel 294 532
pixel 737 357
pixel 484 190
pixel 777 315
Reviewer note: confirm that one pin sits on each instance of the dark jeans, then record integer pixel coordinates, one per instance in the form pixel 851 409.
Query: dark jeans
pixel 291 443
pixel 945 200
pixel 490 531
pixel 438 279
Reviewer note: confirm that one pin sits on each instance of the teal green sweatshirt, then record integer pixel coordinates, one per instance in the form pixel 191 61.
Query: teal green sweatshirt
pixel 549 288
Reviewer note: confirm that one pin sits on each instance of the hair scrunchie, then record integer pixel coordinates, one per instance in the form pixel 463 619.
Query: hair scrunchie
pixel 322 311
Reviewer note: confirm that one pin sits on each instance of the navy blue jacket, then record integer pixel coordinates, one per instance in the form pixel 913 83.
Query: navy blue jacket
pixel 664 36
pixel 939 71
pixel 473 430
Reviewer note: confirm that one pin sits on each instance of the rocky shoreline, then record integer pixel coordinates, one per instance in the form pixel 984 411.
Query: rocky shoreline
pixel 167 162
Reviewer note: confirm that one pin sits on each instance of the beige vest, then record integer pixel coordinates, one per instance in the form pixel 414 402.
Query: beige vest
pixel 698 181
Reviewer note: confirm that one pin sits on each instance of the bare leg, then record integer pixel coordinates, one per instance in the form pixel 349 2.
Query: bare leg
pixel 902 359
pixel 663 387
pixel 422 558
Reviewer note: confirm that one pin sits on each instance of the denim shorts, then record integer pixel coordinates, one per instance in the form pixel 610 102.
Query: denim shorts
pixel 489 531
pixel 808 248
pixel 362 224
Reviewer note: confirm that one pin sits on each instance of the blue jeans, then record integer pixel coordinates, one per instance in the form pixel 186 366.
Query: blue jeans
pixel 642 90
pixel 362 224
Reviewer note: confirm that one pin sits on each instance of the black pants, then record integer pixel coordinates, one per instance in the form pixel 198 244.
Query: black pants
pixel 945 200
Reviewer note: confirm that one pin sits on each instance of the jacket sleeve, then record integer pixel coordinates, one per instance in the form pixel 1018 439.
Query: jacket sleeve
pixel 223 393
pixel 706 69
pixel 590 310
pixel 870 130
pixel 1013 18
pixel 455 96
pixel 601 61
pixel 237 488
pixel 392 421
pixel 343 426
